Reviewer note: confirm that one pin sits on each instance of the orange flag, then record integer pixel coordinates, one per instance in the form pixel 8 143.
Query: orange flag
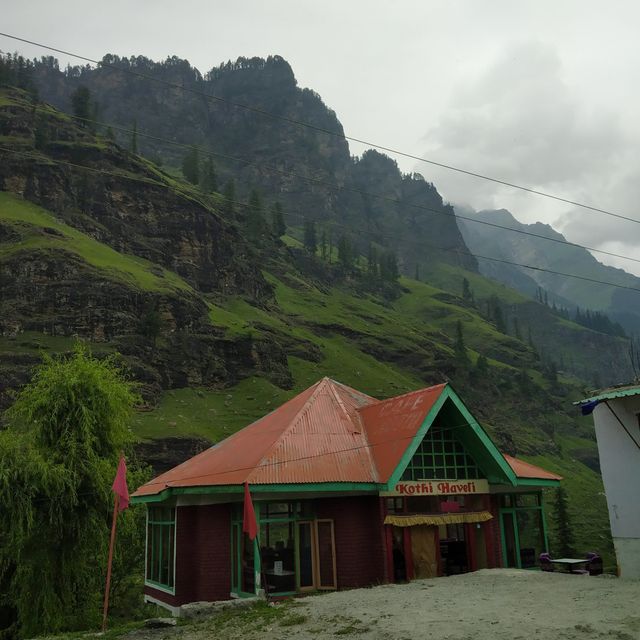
pixel 119 485
pixel 249 523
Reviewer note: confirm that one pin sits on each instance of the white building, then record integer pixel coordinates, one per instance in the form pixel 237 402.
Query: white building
pixel 616 414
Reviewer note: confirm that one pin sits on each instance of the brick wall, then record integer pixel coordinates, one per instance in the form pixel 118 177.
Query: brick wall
pixel 203 556
pixel 493 530
pixel 360 557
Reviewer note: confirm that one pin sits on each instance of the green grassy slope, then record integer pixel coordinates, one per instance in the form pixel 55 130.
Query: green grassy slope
pixel 39 229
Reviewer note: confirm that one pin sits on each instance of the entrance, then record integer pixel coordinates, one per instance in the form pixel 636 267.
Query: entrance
pixel 510 549
pixel 453 549
pixel 424 551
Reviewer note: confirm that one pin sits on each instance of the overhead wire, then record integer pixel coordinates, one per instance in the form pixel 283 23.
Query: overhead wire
pixel 333 185
pixel 457 251
pixel 336 134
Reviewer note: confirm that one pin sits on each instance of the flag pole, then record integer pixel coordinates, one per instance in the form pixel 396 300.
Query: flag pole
pixel 105 608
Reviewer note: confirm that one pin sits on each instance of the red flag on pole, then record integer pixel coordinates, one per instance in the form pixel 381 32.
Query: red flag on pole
pixel 119 485
pixel 249 523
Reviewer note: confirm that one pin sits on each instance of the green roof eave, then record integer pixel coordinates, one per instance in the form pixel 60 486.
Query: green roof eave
pixel 610 394
pixel 537 482
pixel 256 489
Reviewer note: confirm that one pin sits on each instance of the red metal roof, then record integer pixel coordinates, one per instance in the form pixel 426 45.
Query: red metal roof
pixel 524 469
pixel 317 436
pixel 328 433
pixel 392 424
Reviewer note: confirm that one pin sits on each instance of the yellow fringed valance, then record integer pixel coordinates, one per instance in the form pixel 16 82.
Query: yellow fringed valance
pixel 438 519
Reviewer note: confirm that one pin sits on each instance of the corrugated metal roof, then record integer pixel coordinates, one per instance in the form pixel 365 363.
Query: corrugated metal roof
pixel 527 470
pixel 316 436
pixel 391 425
pixel 328 433
pixel 614 392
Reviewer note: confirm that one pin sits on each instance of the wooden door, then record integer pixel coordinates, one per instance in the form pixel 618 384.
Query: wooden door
pixel 424 551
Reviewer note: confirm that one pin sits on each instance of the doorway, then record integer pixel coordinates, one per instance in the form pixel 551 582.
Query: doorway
pixel 453 549
pixel 510 545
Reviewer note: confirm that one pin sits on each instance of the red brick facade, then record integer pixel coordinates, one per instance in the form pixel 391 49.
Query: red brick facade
pixel 203 547
pixel 360 555
pixel 203 556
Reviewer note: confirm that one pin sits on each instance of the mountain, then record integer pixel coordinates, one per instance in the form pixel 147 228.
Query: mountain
pixel 620 305
pixel 273 155
pixel 220 318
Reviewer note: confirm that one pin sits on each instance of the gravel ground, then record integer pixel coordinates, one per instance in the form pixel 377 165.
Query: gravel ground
pixel 492 604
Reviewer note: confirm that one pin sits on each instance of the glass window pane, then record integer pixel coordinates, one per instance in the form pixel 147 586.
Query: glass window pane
pixel 278 559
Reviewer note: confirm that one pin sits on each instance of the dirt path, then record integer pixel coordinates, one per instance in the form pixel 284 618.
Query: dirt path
pixel 497 604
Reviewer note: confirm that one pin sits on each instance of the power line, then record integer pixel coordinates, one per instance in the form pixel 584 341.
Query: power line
pixel 334 224
pixel 336 134
pixel 333 185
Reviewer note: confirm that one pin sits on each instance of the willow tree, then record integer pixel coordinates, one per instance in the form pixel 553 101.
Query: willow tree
pixel 58 458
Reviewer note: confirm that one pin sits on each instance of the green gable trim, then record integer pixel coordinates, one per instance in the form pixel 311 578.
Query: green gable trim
pixel 257 489
pixel 486 455
pixel 536 482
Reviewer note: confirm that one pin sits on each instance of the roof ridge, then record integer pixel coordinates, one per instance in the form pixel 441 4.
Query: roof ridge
pixel 405 395
pixel 294 421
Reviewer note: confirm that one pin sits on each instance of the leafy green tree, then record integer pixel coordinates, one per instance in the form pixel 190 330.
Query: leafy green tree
pixel 310 237
pixel 209 179
pixel 278 225
pixel 58 458
pixel 323 244
pixel 191 166
pixel 566 540
pixel 81 104
pixel 150 324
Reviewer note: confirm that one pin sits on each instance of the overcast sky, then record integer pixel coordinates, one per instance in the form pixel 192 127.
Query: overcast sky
pixel 543 93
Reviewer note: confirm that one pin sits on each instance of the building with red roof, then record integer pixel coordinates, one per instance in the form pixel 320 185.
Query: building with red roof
pixel 348 491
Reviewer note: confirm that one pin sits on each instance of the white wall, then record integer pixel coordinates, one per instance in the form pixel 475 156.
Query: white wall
pixel 620 465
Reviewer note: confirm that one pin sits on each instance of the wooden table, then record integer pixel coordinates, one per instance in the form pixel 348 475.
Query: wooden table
pixel 570 563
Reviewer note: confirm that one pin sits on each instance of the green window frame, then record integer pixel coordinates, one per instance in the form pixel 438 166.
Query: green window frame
pixel 160 563
pixel 441 456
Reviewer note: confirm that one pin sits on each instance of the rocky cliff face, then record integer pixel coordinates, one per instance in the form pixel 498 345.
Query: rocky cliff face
pixel 271 146
pixel 131 263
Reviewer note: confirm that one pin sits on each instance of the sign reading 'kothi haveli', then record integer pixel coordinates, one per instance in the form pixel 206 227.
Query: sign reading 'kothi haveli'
pixel 438 488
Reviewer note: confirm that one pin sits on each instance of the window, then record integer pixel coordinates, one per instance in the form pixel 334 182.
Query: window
pixel 441 456
pixel 161 536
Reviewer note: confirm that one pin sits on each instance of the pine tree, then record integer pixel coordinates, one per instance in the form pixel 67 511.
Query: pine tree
pixel 467 295
pixel 323 244
pixel 372 261
pixel 81 104
pixel 482 365
pixel 459 346
pixel 566 540
pixel 191 166
pixel 516 329
pixel 345 253
pixel 255 216
pixel 134 137
pixel 278 225
pixel 310 239
pixel 229 195
pixel 209 180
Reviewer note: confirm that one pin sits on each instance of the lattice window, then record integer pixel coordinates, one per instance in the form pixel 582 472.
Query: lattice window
pixel 441 456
